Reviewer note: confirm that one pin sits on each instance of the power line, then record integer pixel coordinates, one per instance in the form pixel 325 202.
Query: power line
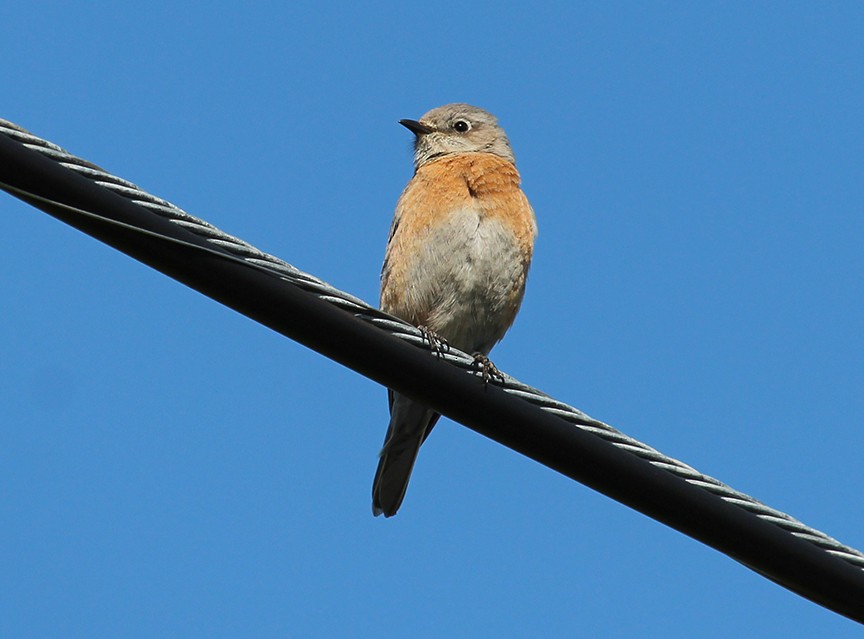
pixel 347 330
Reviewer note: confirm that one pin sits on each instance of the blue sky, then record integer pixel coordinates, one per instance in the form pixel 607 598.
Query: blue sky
pixel 170 468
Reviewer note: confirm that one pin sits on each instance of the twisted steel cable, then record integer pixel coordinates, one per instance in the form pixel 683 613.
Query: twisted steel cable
pixel 249 254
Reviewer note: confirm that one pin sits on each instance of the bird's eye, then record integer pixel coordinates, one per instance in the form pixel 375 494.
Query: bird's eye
pixel 461 126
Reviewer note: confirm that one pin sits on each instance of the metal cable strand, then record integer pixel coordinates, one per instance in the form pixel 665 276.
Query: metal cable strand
pixel 246 252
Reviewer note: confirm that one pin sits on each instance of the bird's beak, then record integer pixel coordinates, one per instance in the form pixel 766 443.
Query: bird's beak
pixel 417 128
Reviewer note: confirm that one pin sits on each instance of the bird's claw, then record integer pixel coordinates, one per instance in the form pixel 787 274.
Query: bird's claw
pixel 437 344
pixel 487 368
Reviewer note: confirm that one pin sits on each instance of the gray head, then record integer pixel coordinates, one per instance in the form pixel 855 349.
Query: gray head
pixel 457 128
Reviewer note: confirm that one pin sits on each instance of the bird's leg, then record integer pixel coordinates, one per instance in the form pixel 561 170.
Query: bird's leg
pixel 437 344
pixel 487 368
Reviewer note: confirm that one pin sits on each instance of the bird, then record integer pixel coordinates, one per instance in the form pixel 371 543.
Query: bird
pixel 456 262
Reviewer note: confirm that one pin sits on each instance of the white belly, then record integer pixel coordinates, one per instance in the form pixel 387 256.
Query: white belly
pixel 468 277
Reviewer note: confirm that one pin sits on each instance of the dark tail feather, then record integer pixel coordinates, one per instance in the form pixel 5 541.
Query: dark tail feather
pixel 410 422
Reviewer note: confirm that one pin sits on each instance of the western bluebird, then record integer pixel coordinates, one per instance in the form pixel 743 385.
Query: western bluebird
pixel 456 262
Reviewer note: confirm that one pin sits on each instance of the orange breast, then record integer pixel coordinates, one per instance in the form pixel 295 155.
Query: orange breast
pixel 467 180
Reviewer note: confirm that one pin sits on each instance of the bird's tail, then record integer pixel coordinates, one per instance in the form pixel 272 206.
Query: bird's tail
pixel 410 423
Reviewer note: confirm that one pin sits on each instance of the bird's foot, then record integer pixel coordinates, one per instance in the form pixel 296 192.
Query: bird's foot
pixel 437 344
pixel 487 368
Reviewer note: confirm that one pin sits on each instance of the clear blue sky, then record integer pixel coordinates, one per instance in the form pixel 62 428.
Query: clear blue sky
pixel 169 468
